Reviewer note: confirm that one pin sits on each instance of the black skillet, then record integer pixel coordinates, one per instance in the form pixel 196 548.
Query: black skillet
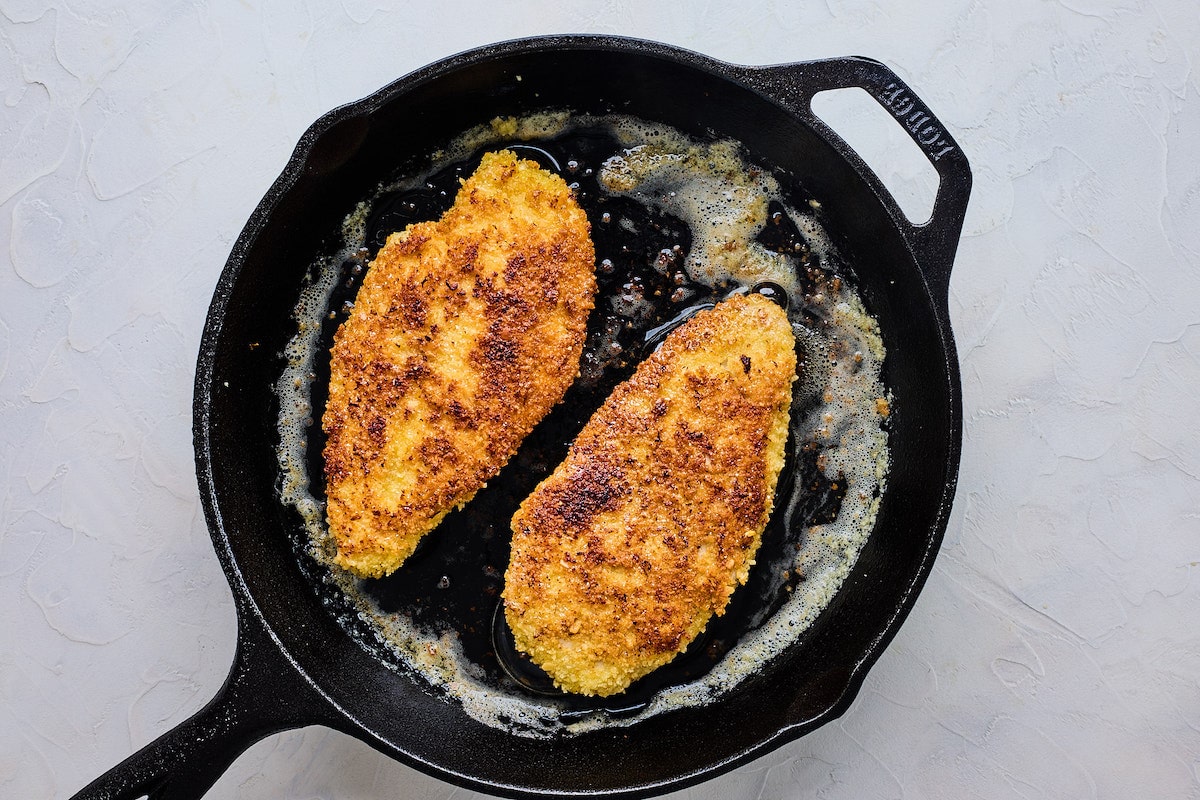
pixel 296 666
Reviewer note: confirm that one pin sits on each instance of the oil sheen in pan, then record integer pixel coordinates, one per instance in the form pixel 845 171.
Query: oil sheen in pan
pixel 678 224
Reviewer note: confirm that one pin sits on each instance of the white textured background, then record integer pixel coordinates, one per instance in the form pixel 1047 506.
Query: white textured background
pixel 1055 651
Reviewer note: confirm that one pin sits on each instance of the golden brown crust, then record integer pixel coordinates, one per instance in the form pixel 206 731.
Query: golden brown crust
pixel 465 333
pixel 624 553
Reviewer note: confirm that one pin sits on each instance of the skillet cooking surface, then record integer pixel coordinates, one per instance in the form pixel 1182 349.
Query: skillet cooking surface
pixel 454 580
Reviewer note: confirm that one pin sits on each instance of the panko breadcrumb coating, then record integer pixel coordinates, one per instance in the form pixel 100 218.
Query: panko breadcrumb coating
pixel 621 556
pixel 465 333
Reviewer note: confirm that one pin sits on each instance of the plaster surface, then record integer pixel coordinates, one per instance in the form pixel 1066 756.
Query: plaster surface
pixel 1054 652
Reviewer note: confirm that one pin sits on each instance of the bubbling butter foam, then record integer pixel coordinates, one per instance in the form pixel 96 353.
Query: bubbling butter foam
pixel 838 410
pixel 723 202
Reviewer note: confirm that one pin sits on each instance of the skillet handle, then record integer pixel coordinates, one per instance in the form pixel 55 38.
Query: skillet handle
pixel 263 694
pixel 934 242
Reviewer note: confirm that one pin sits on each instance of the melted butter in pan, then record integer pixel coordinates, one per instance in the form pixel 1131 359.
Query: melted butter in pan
pixel 677 225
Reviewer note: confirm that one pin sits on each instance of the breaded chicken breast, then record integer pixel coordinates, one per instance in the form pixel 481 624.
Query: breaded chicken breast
pixel 465 333
pixel 621 556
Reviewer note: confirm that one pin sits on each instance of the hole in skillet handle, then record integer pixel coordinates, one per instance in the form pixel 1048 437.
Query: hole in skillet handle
pixel 794 86
pixel 894 158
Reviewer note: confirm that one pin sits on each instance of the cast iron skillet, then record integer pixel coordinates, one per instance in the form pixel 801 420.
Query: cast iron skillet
pixel 295 665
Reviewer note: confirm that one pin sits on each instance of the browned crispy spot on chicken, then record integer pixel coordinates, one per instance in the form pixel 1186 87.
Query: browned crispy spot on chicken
pixel 465 333
pixel 621 557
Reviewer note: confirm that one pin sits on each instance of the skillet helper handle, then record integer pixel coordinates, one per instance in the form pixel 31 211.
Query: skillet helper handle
pixel 933 242
pixel 263 694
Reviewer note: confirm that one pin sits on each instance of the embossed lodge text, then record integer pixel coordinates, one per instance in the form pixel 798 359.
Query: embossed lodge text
pixel 904 108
